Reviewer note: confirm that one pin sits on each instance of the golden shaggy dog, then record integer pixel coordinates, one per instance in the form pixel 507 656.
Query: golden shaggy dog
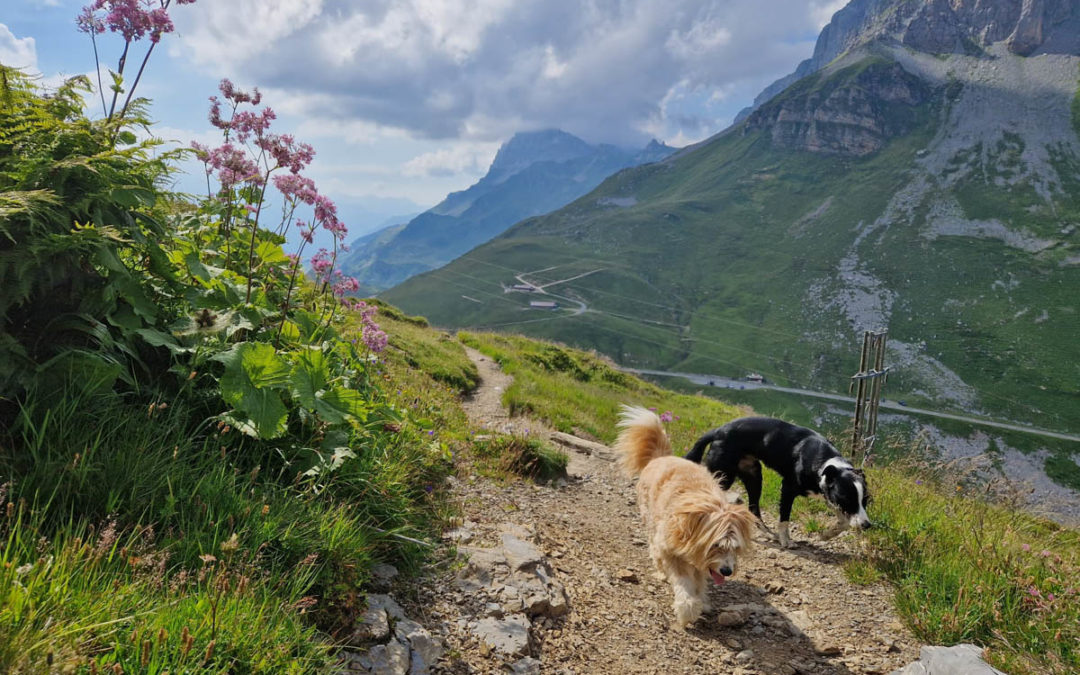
pixel 693 531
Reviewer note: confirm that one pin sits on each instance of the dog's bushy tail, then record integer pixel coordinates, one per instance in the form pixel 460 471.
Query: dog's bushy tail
pixel 641 439
pixel 698 451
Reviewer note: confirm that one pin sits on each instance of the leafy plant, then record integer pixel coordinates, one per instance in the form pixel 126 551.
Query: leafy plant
pixel 80 262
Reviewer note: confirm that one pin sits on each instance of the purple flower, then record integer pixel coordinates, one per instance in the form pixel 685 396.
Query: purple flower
pixel 1025 548
pixel 89 22
pixel 296 188
pixel 666 416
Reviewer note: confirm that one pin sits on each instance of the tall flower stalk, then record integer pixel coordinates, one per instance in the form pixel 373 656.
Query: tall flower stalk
pixel 133 20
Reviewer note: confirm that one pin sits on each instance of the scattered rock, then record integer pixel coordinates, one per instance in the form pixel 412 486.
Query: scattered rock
pixel 391 658
pixel 828 649
pixel 526 666
pixel 372 626
pixel 745 656
pixel 520 555
pixel 382 576
pixel 962 659
pixel 628 576
pixel 387 603
pixel 588 447
pixel 523 532
pixel 730 619
pixel 461 535
pixel 426 650
pixel 774 587
pixel 508 636
pixel 800 619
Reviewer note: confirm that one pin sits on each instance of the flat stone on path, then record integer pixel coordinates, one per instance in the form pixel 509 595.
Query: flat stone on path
pixel 520 555
pixel 509 636
pixel 391 658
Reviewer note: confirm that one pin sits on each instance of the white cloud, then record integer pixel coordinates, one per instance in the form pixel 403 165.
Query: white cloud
pixel 462 158
pixel 483 69
pixel 17 52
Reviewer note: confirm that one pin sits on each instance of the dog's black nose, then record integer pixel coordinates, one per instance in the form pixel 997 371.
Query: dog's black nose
pixel 867 525
pixel 726 571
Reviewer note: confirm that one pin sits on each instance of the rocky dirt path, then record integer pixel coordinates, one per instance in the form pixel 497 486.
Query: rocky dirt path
pixel 557 579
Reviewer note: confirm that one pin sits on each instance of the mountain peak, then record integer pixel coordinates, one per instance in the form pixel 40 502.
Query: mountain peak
pixel 528 147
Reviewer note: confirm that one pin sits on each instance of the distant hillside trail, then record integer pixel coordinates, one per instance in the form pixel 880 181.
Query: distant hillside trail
pixel 790 611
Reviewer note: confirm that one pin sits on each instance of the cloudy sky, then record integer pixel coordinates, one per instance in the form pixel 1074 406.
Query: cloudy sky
pixel 406 100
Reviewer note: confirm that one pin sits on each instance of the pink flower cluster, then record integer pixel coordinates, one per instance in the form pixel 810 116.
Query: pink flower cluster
pixel 233 165
pixel 371 334
pixel 279 151
pixel 133 19
pixel 296 188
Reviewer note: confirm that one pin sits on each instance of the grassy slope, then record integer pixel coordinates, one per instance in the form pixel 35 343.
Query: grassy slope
pixel 135 542
pixel 711 270
pixel 120 572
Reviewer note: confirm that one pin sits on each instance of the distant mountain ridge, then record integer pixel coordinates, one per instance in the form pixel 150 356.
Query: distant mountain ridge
pixel 532 173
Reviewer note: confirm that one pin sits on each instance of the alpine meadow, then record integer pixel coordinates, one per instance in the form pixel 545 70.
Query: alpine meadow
pixel 265 409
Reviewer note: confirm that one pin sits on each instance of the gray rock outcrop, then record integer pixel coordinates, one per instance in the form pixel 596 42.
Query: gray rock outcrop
pixel 962 659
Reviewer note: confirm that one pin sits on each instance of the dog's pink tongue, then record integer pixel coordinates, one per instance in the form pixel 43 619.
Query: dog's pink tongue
pixel 718 579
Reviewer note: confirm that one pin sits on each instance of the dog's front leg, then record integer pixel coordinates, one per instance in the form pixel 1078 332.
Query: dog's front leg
pixel 688 604
pixel 787 498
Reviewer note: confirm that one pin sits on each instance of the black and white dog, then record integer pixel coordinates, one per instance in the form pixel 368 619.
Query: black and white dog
pixel 805 460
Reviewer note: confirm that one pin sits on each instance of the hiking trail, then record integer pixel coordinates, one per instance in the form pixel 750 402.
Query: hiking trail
pixel 557 579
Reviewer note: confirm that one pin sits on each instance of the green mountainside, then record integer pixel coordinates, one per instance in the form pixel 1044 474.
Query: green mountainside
pixel 936 195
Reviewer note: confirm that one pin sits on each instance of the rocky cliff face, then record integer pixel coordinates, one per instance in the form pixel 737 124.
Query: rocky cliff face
pixel 853 112
pixel 1027 27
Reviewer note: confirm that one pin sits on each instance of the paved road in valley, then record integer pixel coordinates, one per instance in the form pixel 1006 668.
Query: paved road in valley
pixel 728 383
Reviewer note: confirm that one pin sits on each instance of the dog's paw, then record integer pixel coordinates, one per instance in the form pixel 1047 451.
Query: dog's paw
pixel 783 537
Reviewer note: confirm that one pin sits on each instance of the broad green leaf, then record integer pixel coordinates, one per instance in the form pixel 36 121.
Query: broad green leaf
pixel 271 253
pixel 290 332
pixel 156 338
pixel 195 266
pixel 309 377
pixel 132 291
pixel 253 374
pixel 236 322
pixel 338 404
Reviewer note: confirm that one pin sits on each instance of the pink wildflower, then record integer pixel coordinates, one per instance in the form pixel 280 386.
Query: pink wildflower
pixel 293 186
pixel 287 152
pixel 322 263
pixel 89 22
pixel 306 233
pixel 133 19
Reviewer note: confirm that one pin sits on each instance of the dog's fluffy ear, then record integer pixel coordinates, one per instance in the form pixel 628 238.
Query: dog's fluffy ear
pixel 744 522
pixel 830 472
